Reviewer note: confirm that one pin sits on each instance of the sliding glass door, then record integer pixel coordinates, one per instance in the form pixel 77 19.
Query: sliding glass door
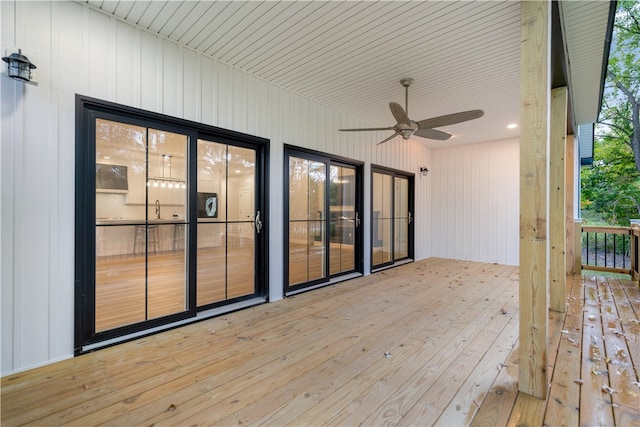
pixel 323 237
pixel 391 217
pixel 227 220
pixel 169 222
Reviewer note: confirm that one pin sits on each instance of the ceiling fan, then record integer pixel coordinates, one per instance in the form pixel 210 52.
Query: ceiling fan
pixel 423 128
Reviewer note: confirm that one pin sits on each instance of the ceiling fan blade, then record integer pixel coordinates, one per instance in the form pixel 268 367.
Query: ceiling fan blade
pixel 432 134
pixel 399 114
pixel 388 139
pixel 363 129
pixel 450 119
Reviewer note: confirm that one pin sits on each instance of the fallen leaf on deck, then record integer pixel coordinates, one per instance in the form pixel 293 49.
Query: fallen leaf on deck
pixel 607 389
pixel 171 408
pixel 211 332
pixel 571 340
pixel 503 311
pixel 387 354
pixel 564 331
pixel 578 381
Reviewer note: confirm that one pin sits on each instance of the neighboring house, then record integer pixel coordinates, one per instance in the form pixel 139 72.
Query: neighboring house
pixel 467 207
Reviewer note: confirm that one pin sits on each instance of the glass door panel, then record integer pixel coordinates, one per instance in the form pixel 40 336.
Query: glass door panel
pixel 166 223
pixel 382 218
pixel 307 220
pixel 140 257
pixel 402 218
pixel 342 224
pixel 226 228
pixel 211 263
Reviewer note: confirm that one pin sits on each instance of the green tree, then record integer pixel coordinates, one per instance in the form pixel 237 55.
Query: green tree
pixel 611 187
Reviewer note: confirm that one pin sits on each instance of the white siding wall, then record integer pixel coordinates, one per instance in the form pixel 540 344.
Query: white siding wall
pixel 475 206
pixel 79 50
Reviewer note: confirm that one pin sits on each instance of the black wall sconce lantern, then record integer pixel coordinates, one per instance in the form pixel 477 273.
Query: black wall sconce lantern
pixel 19 66
pixel 424 170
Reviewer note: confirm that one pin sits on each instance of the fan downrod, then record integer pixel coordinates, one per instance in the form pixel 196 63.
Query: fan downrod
pixel 406 82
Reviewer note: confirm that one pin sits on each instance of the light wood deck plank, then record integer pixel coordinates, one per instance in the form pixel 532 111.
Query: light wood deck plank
pixel 595 405
pixel 563 407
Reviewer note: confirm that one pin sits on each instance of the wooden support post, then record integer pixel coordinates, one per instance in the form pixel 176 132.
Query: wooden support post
pixel 570 171
pixel 557 206
pixel 535 22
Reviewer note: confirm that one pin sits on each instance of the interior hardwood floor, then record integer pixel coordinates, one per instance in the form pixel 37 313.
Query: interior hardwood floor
pixel 428 343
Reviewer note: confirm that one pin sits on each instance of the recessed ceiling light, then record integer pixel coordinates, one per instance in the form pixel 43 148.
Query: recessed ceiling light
pixel 512 126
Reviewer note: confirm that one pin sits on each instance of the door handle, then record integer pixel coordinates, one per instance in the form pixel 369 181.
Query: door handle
pixel 258 223
pixel 357 220
pixel 410 219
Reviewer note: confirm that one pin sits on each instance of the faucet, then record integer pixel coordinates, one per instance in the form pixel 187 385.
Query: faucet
pixel 158 209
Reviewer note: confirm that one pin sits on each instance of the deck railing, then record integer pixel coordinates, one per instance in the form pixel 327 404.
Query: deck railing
pixel 635 248
pixel 610 249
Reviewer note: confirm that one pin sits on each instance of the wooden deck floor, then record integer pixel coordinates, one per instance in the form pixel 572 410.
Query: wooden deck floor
pixel 428 343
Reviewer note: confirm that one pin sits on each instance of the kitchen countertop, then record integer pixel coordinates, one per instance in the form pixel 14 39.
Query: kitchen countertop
pixel 136 221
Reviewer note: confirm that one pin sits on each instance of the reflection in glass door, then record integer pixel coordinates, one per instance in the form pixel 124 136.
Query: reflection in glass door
pixel 402 217
pixel 344 218
pixel 227 222
pixel 323 237
pixel 391 217
pixel 140 222
pixel 307 221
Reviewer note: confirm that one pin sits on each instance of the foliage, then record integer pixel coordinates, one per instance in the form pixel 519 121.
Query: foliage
pixel 611 187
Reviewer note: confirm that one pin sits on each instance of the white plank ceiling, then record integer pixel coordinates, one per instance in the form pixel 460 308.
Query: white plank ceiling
pixel 351 55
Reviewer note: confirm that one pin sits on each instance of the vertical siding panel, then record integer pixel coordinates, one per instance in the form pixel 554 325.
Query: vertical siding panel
pixel 150 71
pixel 127 65
pixel 208 88
pixel 265 111
pixel 252 104
pixel 66 48
pixel 322 127
pixel 102 60
pixel 236 100
pixel 33 174
pixel 171 78
pixel 223 101
pixel 191 90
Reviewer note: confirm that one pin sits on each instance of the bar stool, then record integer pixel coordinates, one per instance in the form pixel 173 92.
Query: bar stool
pixel 146 235
pixel 178 237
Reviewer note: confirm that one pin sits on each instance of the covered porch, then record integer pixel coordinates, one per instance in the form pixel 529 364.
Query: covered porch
pixel 433 342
